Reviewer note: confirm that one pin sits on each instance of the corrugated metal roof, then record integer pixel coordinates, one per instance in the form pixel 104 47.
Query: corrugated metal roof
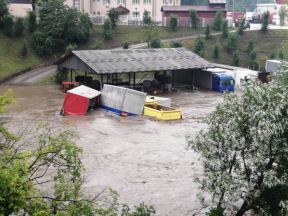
pixel 136 60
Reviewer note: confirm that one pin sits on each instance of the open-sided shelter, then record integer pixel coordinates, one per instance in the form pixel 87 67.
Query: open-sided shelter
pixel 110 64
pixel 79 100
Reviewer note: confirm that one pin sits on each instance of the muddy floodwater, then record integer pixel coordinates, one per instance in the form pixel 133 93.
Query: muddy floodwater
pixel 140 158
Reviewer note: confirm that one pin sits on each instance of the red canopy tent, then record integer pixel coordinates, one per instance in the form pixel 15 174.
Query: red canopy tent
pixel 80 99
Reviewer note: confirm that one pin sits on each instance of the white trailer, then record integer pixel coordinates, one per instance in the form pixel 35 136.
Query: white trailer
pixel 272 66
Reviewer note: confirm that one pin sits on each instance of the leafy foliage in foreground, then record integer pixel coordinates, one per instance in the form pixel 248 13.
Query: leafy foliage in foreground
pixel 245 149
pixel 41 174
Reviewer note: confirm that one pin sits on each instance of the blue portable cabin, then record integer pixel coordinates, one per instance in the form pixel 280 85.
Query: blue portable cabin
pixel 222 82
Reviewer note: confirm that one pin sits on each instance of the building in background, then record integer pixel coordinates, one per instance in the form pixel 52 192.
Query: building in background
pixel 130 10
pixel 206 13
pixel 19 8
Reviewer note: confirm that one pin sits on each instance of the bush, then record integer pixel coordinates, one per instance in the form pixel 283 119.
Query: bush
pixel 225 29
pixel 61 75
pixel 232 42
pixel 217 22
pixel 173 22
pixel 216 51
pixel 250 46
pixel 32 23
pixel 146 18
pixel 241 27
pixel 24 50
pixel 107 29
pixel 194 19
pixel 253 55
pixel 114 16
pixel 265 22
pixel 70 48
pixel 126 45
pixel 207 32
pixel 19 27
pixel 199 46
pixel 8 25
pixel 155 42
pixel 176 44
pixel 235 59
pixel 4 11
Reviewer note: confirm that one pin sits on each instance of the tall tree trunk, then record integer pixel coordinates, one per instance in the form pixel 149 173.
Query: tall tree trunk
pixel 33 5
pixel 243 209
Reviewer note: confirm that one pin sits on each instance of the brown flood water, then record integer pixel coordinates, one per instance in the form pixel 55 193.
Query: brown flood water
pixel 142 159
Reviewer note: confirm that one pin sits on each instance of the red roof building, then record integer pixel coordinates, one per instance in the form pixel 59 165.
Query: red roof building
pixel 281 2
pixel 205 13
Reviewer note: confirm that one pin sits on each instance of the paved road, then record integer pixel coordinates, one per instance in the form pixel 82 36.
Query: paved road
pixel 33 76
pixel 40 73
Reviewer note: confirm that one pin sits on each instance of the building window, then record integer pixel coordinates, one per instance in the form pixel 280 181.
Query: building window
pixel 166 2
pixel 120 1
pixel 76 4
pixel 146 1
pixel 136 14
pixel 135 1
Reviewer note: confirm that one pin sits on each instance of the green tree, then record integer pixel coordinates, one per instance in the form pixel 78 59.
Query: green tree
pixel 3 11
pixel 235 58
pixel 250 46
pixel 265 22
pixel 114 17
pixel 241 27
pixel 107 29
pixel 243 150
pixel 217 22
pixel 173 24
pixel 24 50
pixel 194 19
pixel 146 18
pixel 176 44
pixel 59 26
pixel 225 29
pixel 8 25
pixel 153 38
pixel 207 32
pixel 216 51
pixel 282 15
pixel 32 21
pixel 19 27
pixel 232 42
pixel 199 46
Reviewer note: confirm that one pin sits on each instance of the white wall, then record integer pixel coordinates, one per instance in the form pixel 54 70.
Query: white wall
pixel 19 10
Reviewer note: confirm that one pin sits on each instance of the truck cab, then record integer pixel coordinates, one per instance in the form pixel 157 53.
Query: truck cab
pixel 222 82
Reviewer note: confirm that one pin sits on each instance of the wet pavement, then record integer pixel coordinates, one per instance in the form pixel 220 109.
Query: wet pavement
pixel 142 159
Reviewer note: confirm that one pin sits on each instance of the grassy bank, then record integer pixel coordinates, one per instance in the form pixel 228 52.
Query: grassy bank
pixel 265 45
pixel 11 60
pixel 133 34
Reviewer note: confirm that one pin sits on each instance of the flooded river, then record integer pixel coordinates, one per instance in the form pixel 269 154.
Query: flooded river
pixel 142 159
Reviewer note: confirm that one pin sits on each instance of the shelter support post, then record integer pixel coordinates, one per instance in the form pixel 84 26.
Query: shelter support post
pixel 101 80
pixel 129 75
pixel 173 79
pixel 85 78
pixel 134 80
pixel 164 80
pixel 71 75
pixel 193 81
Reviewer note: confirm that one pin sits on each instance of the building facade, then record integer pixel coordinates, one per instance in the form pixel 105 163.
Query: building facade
pixel 205 13
pixel 133 9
